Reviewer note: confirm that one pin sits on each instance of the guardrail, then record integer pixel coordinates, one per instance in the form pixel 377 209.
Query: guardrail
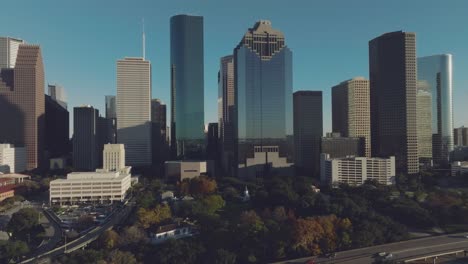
pixel 436 255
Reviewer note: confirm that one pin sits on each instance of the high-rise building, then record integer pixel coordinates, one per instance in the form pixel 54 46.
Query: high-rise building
pixel 187 85
pixel 57 129
pixel 110 107
pixel 308 129
pixel 9 51
pixel 134 110
pixel 113 157
pixel 226 101
pixel 85 138
pixel 159 132
pixel 424 118
pixel 22 105
pixel 392 72
pixel 12 159
pixel 263 111
pixel 57 93
pixel 340 147
pixel 212 142
pixel 435 74
pixel 460 136
pixel 351 110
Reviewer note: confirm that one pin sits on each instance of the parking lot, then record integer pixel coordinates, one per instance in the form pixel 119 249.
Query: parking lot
pixel 83 217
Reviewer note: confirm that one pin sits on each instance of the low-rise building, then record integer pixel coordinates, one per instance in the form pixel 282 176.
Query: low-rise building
pixel 7 188
pixel 12 159
pixel 356 170
pixel 171 231
pixel 459 168
pixel 180 170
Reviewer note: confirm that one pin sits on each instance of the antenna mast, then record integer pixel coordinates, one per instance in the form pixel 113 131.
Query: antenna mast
pixel 144 40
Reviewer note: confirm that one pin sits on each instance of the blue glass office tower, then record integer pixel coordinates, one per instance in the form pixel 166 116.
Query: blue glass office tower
pixel 263 103
pixel 435 76
pixel 187 86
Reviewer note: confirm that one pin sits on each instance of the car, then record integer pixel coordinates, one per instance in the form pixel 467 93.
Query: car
pixel 466 236
pixel 381 254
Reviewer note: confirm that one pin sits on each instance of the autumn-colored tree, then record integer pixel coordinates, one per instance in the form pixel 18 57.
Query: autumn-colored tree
pixel 251 221
pixel 307 233
pixel 149 217
pixel 121 257
pixel 109 239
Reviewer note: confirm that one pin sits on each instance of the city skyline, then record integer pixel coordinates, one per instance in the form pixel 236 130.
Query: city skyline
pixel 348 59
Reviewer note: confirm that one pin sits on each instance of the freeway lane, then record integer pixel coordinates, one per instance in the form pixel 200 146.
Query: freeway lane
pixel 400 250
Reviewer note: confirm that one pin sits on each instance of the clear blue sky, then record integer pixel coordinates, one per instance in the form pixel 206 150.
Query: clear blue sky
pixel 81 40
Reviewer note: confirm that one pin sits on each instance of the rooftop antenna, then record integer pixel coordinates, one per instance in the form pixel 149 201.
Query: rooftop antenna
pixel 144 49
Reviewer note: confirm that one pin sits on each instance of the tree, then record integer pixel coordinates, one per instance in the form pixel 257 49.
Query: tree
pixel 132 235
pixel 10 250
pixel 224 257
pixel 109 239
pixel 23 220
pixel 149 217
pixel 181 251
pixel 212 203
pixel 121 257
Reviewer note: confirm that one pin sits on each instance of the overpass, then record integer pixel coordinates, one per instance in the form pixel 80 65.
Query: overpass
pixel 428 248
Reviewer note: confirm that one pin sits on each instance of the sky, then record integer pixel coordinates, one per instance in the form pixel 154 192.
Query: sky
pixel 82 40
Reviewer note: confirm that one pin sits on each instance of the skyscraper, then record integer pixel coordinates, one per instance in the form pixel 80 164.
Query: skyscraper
pixel 57 93
pixel 159 132
pixel 226 101
pixel 435 73
pixel 57 129
pixel 110 107
pixel 85 138
pixel 263 111
pixel 9 51
pixel 392 71
pixel 308 129
pixel 22 104
pixel 351 110
pixel 460 136
pixel 187 85
pixel 424 119
pixel 134 110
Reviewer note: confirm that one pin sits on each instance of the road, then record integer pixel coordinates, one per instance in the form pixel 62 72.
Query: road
pixel 401 250
pixel 83 241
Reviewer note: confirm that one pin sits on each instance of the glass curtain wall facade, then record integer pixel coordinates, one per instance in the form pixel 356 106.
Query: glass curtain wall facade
pixel 263 119
pixel 187 84
pixel 435 73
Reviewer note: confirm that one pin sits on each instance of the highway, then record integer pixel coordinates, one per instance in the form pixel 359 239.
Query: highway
pixel 401 251
pixel 89 237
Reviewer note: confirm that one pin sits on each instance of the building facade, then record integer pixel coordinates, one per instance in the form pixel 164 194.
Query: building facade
pixel 355 171
pixel 308 129
pixel 12 159
pixel 187 85
pixel 22 104
pixel 351 110
pixel 180 170
pixel 424 117
pixel 263 101
pixel 9 51
pixel 85 138
pixel 113 157
pixel 393 73
pixel 435 75
pixel 57 93
pixel 111 108
pixel 341 147
pixel 460 136
pixel 134 110
pixel 57 129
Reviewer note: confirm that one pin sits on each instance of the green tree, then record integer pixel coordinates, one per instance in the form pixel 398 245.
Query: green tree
pixel 212 203
pixel 223 256
pixel 11 250
pixel 109 239
pixel 121 257
pixel 23 220
pixel 149 217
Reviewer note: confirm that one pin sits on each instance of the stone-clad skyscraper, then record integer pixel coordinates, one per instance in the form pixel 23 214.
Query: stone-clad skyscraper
pixel 134 110
pixel 22 104
pixel 263 102
pixel 351 110
pixel 393 72
pixel 187 85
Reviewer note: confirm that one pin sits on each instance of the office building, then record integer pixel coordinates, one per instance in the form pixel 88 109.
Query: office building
pixel 435 75
pixel 212 143
pixel 460 136
pixel 341 147
pixel 226 101
pixel 57 93
pixel 85 138
pixel 424 121
pixel 110 107
pixel 459 153
pixel 180 170
pixel 134 109
pixel 187 85
pixel 9 51
pixel 355 171
pixel 263 111
pixel 114 157
pixel 161 151
pixel 104 185
pixel 57 129
pixel 22 105
pixel 393 73
pixel 459 168
pixel 12 159
pixel 308 129
pixel 351 110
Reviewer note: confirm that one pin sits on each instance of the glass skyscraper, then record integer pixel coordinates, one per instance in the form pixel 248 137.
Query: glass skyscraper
pixel 263 102
pixel 187 86
pixel 435 75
